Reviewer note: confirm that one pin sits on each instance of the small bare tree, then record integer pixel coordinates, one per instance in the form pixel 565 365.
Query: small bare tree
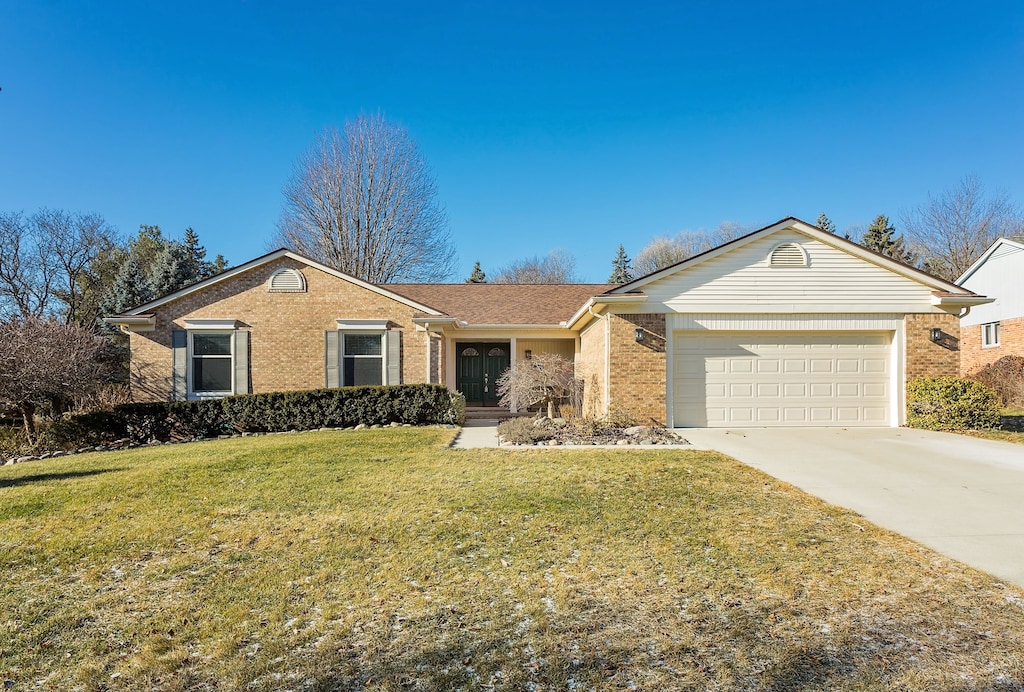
pixel 363 201
pixel 558 267
pixel 44 362
pixel 954 229
pixel 544 379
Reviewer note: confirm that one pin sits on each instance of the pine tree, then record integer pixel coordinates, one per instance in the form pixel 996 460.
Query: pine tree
pixel 621 271
pixel 130 289
pixel 881 237
pixel 825 223
pixel 477 276
pixel 172 269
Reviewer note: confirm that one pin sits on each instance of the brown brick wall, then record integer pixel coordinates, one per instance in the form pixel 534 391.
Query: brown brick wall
pixel 638 370
pixel 925 358
pixel 973 356
pixel 590 368
pixel 287 329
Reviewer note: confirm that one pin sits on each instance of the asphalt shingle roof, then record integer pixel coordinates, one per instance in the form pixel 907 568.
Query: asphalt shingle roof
pixel 503 303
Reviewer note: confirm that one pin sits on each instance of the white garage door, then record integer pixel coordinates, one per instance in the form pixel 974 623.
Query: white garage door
pixel 754 379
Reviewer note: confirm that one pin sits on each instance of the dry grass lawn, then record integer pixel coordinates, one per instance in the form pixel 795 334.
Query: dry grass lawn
pixel 381 560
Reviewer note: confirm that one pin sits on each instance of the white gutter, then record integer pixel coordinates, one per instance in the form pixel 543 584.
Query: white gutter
pixel 132 323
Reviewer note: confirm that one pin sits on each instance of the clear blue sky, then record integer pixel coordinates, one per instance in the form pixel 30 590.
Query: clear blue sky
pixel 574 125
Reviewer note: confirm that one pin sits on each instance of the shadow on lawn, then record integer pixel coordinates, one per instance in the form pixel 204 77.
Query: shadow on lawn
pixel 42 477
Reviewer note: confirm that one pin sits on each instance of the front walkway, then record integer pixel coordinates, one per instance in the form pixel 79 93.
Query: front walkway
pixel 477 433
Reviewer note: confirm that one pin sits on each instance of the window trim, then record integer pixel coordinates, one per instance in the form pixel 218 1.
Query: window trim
pixel 990 333
pixel 190 356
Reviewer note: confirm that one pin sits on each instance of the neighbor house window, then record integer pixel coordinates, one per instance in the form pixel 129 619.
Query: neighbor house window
pixel 990 334
pixel 210 364
pixel 362 358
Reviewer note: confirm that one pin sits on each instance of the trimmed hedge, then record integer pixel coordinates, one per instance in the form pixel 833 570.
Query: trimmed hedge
pixel 417 404
pixel 951 403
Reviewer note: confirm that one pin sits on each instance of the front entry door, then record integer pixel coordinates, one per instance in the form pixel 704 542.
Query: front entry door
pixel 478 367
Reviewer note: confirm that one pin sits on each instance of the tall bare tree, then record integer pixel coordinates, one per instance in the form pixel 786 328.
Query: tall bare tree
pixel 664 251
pixel 557 267
pixel 954 228
pixel 363 200
pixel 49 262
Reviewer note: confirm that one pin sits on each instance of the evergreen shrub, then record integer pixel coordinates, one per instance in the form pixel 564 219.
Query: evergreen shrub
pixel 951 403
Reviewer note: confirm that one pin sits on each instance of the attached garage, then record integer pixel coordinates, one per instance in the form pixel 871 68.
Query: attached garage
pixel 794 378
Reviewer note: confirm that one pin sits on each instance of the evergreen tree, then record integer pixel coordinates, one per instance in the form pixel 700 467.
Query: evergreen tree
pixel 621 271
pixel 130 289
pixel 881 237
pixel 477 276
pixel 825 223
pixel 172 269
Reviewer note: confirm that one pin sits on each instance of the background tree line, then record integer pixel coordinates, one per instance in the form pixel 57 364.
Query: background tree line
pixel 75 268
pixel 60 272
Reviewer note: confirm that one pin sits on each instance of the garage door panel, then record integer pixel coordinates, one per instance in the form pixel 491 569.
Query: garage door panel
pixel 822 389
pixel 849 389
pixel 788 378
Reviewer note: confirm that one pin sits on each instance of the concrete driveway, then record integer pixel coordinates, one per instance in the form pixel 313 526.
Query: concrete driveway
pixel 962 496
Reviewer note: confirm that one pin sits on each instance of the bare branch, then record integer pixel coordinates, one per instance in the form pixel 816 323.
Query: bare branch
pixel 363 201
pixel 954 229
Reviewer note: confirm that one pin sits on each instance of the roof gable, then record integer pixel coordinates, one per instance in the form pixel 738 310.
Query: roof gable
pixel 794 225
pixel 265 259
pixel 1002 247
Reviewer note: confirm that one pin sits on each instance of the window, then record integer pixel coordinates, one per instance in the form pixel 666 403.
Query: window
pixel 362 359
pixel 211 364
pixel 990 334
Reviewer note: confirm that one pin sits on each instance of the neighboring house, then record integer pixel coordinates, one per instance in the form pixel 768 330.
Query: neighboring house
pixel 789 325
pixel 994 330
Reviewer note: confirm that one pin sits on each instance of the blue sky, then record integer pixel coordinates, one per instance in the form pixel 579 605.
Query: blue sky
pixel 573 125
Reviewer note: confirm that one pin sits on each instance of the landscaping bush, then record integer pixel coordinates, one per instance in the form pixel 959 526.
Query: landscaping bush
pixel 523 431
pixel 273 412
pixel 951 403
pixel 84 430
pixel 1006 378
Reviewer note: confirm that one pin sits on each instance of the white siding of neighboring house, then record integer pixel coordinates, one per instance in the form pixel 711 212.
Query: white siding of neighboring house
pixel 1000 277
pixel 741 280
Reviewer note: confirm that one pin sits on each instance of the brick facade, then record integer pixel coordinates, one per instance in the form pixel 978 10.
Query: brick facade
pixel 286 349
pixel 637 371
pixel 925 358
pixel 590 367
pixel 973 357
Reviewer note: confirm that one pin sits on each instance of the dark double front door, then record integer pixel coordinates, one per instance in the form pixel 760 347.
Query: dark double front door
pixel 477 368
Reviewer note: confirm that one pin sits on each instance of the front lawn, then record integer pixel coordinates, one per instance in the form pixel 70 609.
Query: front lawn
pixel 381 560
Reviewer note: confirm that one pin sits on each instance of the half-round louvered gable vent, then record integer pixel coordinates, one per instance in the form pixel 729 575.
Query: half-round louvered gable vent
pixel 788 255
pixel 287 281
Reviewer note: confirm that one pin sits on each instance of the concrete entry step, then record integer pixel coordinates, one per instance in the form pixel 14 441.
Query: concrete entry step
pixel 497 413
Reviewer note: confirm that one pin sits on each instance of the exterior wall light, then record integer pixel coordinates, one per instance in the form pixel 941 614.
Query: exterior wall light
pixel 936 334
pixel 639 335
pixel 529 354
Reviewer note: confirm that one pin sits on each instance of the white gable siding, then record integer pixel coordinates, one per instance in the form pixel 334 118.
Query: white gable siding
pixel 741 280
pixel 1000 277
